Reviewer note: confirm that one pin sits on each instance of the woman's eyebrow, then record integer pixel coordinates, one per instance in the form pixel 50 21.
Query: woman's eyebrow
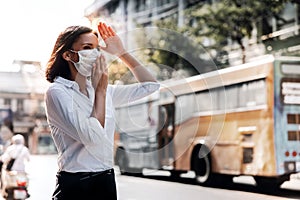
pixel 86 43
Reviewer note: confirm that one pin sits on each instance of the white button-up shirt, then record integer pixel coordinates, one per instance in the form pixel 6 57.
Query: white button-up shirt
pixel 83 144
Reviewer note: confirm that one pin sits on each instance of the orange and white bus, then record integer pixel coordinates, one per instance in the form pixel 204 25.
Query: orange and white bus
pixel 241 120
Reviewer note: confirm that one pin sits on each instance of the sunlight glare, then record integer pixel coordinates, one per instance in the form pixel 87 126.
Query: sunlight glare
pixel 30 28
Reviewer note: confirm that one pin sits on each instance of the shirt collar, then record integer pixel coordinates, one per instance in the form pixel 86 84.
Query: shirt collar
pixel 70 84
pixel 65 82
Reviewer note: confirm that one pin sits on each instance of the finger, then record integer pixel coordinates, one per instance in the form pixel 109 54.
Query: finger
pixel 96 68
pixel 103 48
pixel 111 31
pixel 101 30
pixel 95 76
pixel 106 69
pixel 103 63
pixel 93 69
pixel 105 30
pixel 97 62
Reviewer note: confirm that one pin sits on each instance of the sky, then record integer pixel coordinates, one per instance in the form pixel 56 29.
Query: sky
pixel 29 28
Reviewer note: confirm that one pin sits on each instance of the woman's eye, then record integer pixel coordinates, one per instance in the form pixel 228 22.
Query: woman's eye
pixel 87 47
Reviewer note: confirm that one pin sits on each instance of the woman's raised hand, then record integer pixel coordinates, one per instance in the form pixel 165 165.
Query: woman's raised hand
pixel 100 75
pixel 112 41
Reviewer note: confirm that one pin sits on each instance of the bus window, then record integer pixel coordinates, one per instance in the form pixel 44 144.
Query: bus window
pixel 260 92
pixel 252 94
pixel 208 100
pixel 184 110
pixel 203 102
pixel 231 97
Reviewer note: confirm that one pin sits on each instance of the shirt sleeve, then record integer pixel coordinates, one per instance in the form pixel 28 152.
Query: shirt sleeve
pixel 66 115
pixel 123 94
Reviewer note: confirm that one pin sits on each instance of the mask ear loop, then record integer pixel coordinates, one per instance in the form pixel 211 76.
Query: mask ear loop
pixel 66 55
pixel 73 51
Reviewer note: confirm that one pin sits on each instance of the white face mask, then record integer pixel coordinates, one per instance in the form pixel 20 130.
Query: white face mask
pixel 87 58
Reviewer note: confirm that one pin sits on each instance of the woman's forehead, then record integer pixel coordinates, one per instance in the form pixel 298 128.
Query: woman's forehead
pixel 87 38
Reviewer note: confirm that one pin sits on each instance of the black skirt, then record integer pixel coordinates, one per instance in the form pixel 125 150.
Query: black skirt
pixel 85 186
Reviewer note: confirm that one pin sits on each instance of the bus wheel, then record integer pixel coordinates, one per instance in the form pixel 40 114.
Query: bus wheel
pixel 122 161
pixel 201 164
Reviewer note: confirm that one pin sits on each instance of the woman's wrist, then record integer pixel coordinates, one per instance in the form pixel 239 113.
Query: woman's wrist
pixel 100 91
pixel 130 61
pixel 122 54
pixel 126 57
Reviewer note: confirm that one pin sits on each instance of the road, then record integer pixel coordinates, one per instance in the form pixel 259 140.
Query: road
pixel 42 170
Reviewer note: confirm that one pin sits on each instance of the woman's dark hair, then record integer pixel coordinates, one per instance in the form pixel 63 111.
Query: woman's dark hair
pixel 57 65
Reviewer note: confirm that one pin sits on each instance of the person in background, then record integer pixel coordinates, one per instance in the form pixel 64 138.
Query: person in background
pixel 18 151
pixel 80 109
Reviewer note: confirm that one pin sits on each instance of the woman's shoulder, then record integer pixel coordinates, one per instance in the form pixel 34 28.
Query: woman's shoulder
pixel 54 88
pixel 58 92
pixel 60 84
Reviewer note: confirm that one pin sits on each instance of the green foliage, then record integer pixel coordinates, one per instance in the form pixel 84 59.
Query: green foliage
pixel 172 51
pixel 213 24
pixel 116 71
pixel 230 18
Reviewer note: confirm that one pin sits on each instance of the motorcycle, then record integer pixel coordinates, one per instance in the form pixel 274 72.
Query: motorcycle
pixel 16 184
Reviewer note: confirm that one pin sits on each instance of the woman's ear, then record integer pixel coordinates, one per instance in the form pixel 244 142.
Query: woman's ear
pixel 67 55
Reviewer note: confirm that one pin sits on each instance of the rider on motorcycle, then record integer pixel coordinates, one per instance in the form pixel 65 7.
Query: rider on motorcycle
pixel 20 153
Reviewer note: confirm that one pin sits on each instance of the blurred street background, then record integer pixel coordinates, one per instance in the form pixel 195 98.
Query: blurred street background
pixel 158 185
pixel 176 40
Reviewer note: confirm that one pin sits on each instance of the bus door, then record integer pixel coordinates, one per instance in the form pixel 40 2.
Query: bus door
pixel 166 134
pixel 287 115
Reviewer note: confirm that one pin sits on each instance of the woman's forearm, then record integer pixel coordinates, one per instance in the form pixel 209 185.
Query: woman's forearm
pixel 138 70
pixel 99 107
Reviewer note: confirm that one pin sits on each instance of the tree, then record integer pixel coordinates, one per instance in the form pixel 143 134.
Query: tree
pixel 230 19
pixel 211 27
pixel 117 71
pixel 172 51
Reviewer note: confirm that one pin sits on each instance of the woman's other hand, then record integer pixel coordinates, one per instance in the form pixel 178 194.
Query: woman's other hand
pixel 100 75
pixel 115 46
pixel 112 41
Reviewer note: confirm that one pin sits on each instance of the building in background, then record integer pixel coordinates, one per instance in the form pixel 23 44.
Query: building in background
pixel 283 36
pixel 22 91
pixel 276 35
pixel 126 15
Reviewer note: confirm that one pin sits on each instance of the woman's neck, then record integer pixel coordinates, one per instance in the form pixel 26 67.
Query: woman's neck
pixel 81 81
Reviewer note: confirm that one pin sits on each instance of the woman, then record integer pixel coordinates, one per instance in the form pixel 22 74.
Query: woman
pixel 80 109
